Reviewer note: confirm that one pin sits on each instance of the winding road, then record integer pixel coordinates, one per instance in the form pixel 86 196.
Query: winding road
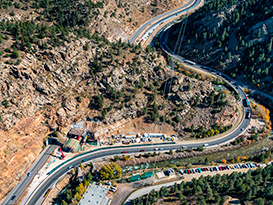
pixel 152 24
pixel 144 30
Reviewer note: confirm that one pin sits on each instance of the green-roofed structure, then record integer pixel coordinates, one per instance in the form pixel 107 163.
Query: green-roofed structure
pixel 147 175
pixel 72 145
pixel 134 178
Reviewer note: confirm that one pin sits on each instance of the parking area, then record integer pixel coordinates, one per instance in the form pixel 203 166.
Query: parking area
pixel 219 168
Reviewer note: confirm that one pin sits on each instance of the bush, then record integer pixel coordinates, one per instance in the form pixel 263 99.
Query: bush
pixel 5 103
pixel 18 62
pixel 55 134
pixel 7 50
pixel 15 54
pixel 79 99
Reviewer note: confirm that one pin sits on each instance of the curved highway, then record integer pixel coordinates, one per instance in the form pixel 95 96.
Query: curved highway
pixel 37 197
pixel 153 23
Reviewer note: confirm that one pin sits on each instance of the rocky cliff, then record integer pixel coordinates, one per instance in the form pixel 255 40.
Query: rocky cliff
pixel 52 76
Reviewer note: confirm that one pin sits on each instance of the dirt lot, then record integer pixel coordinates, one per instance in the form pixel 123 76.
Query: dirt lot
pixel 123 191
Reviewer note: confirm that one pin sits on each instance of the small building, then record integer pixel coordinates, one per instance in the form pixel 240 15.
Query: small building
pixel 72 145
pixel 77 133
pixel 147 175
pixel 94 142
pixel 170 171
pixel 134 178
pixel 80 176
pixel 95 194
pixel 155 135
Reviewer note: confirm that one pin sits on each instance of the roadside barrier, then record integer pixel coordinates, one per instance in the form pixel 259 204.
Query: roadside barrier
pixel 104 148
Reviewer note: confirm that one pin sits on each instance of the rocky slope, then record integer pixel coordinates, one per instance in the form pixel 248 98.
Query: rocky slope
pixel 52 76
pixel 234 37
pixel 51 89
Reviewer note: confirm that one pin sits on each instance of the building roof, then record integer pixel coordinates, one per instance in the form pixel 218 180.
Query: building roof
pixel 134 178
pixel 147 174
pixel 95 195
pixel 77 132
pixel 78 125
pixel 79 172
pixel 72 143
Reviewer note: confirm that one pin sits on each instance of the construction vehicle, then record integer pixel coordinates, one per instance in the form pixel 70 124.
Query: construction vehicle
pixel 63 156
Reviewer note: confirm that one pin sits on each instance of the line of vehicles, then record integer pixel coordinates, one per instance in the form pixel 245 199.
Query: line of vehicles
pixel 219 168
pixel 160 149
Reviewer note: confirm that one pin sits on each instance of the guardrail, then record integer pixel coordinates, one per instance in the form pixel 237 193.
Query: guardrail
pixel 105 148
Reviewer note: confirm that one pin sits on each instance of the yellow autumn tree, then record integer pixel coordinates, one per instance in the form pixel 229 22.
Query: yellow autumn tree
pixel 126 158
pixel 81 189
pixel 110 171
pixel 262 112
pixel 224 161
pixel 77 196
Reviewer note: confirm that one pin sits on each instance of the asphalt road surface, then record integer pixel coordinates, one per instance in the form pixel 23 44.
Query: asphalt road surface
pixel 25 181
pixel 37 197
pixel 151 22
pixel 49 182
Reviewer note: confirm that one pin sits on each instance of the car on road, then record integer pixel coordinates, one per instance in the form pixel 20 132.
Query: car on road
pixel 13 197
pixel 124 152
pixel 161 149
pixel 84 160
pixel 143 150
pixel 28 174
pixel 156 149
pixel 70 167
